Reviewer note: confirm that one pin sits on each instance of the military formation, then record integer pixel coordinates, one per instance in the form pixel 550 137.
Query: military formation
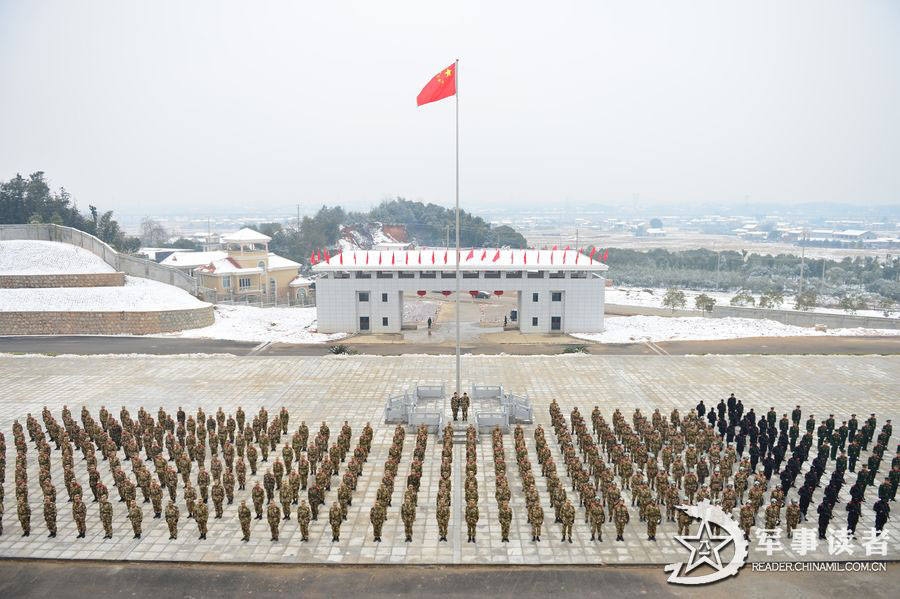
pixel 183 467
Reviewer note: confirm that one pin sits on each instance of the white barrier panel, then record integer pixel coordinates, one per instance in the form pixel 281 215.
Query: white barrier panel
pixel 488 421
pixel 430 391
pixel 487 391
pixel 432 419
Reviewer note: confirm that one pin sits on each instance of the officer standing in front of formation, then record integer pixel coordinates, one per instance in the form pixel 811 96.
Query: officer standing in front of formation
pixel 454 405
pixel 464 406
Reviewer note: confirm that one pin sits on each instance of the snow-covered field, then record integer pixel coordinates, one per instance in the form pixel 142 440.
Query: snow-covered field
pixel 22 257
pixel 419 310
pixel 637 296
pixel 626 329
pixel 135 296
pixel 248 323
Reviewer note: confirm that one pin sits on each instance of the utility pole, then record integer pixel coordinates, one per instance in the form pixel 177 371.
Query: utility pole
pixel 576 239
pixel 448 237
pixel 718 255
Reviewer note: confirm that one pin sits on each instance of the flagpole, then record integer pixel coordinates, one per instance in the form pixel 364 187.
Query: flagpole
pixel 458 379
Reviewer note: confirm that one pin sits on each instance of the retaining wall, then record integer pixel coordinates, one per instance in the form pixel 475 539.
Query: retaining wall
pixel 104 323
pixel 129 265
pixel 97 279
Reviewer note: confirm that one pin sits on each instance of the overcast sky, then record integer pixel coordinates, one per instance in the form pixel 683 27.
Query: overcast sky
pixel 170 106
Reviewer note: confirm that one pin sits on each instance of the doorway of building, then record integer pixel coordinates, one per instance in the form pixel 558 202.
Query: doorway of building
pixel 363 323
pixel 556 323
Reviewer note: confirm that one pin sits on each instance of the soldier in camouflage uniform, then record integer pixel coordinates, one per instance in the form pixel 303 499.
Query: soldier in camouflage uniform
pixel 303 518
pixel 377 516
pixel 408 515
pixel 79 514
pixel 653 517
pixel 106 516
pixel 258 495
pixel 50 516
pixel 244 517
pixel 621 518
pixel 286 497
pixel 201 517
pixel 24 511
pixel 471 518
pixel 772 514
pixel 273 514
pixel 505 516
pixel 443 518
pixel 335 516
pixel 136 517
pixel 684 523
pixel 464 406
pixel 793 518
pixel 746 519
pixel 454 405
pixel 536 517
pixel 218 497
pixel 172 514
pixel 567 515
pixel 597 518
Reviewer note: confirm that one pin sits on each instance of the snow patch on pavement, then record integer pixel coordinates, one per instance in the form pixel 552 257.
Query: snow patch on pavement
pixel 248 323
pixel 137 295
pixel 628 329
pixel 25 257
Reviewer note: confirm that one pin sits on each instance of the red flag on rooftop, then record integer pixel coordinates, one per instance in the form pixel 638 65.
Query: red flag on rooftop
pixel 605 254
pixel 483 255
pixel 407 257
pixel 445 256
pixel 312 257
pixel 593 249
pixel 496 256
pixel 432 256
pixel 341 255
pixel 420 256
pixel 327 257
pixel 367 256
pixel 442 85
pixel 379 257
pixel 392 257
pixel 554 248
pixel 525 257
pixel 470 255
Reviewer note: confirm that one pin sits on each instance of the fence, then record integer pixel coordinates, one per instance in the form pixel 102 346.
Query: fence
pixel 130 265
pixel 791 317
pixel 215 297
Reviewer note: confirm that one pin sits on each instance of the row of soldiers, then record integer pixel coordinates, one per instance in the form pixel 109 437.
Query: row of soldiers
pixel 471 484
pixel 444 485
pixel 502 493
pixel 413 481
pixel 378 513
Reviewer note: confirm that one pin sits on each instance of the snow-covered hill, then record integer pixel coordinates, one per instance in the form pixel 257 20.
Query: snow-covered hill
pixel 23 257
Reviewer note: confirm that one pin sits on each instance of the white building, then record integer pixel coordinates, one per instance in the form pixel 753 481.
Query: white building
pixel 362 291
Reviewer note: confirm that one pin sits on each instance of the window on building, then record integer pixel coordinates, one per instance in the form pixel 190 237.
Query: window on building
pixel 384 275
pixel 470 275
pixel 535 274
pixel 244 282
pixel 406 275
pixel 556 296
pixel 226 282
pixel 448 275
pixel 578 274
pixel 384 321
pixel 428 274
pixel 363 275
pixel 534 297
pixel 534 321
pixel 261 264
pixel 363 296
pixel 558 274
pixel 514 274
pixel 384 297
pixel 492 274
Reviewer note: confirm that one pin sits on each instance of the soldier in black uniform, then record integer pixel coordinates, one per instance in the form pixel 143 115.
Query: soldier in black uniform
pixel 825 513
pixel 854 510
pixel 882 510
pixel 806 493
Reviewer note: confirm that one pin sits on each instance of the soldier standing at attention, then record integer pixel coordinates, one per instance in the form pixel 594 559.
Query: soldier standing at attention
pixel 24 516
pixel 79 513
pixel 335 516
pixel 621 517
pixel 257 494
pixel 244 517
pixel 106 516
pixel 792 516
pixel 218 496
pixel 273 513
pixel 746 519
pixel 567 514
pixel 471 515
pixel 377 515
pixel 653 517
pixel 172 514
pixel 286 496
pixel 443 519
pixel 536 516
pixel 303 518
pixel 408 515
pixel 201 516
pixel 464 405
pixel 50 516
pixel 597 517
pixel 684 523
pixel 136 517
pixel 505 520
pixel 454 405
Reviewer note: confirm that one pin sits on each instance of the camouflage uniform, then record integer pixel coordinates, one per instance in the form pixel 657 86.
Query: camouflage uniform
pixel 505 516
pixel 335 516
pixel 567 515
pixel 377 516
pixel 273 514
pixel 172 514
pixel 597 517
pixel 303 518
pixel 201 517
pixel 621 518
pixel 443 519
pixel 471 518
pixel 136 517
pixel 79 514
pixel 653 517
pixel 793 518
pixel 536 517
pixel 218 496
pixel 258 495
pixel 746 519
pixel 244 516
pixel 106 516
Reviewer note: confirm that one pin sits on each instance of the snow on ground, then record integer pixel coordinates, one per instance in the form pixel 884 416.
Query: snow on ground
pixel 249 323
pixel 626 329
pixel 652 297
pixel 419 310
pixel 135 296
pixel 22 257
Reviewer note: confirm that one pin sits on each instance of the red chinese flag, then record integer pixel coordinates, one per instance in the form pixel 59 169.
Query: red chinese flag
pixel 341 255
pixel 420 256
pixel 496 256
pixel 407 257
pixel 554 248
pixel 367 257
pixel 483 255
pixel 354 256
pixel 327 257
pixel 379 257
pixel 392 257
pixel 470 255
pixel 432 256
pixel 605 255
pixel 312 257
pixel 445 256
pixel 525 257
pixel 593 249
pixel 442 85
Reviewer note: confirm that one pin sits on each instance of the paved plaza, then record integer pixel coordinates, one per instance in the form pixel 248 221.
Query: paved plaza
pixel 354 388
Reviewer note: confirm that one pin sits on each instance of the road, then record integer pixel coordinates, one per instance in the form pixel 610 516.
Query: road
pixel 62 579
pixel 88 345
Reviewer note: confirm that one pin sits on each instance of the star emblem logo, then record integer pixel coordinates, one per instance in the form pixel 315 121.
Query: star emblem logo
pixel 704 548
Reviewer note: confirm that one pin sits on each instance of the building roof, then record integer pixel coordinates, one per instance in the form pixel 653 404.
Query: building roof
pixel 246 235
pixel 193 259
pixel 445 259
pixel 299 281
pixel 228 266
pixel 277 262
